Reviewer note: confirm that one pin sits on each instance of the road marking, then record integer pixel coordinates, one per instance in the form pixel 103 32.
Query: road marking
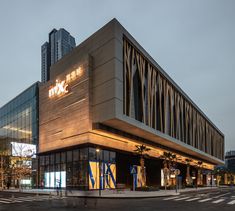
pixel 221 195
pixel 5 199
pixel 231 202
pixel 5 202
pixel 180 199
pixel 23 199
pixel 17 201
pixel 31 197
pixel 204 200
pixel 175 197
pixel 218 201
pixel 26 200
pixel 193 199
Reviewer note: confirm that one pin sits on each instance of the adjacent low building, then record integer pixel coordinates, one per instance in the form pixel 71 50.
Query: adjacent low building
pixel 106 98
pixel 19 139
pixel 230 161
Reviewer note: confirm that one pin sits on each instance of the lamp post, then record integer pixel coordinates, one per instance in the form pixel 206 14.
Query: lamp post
pixel 98 154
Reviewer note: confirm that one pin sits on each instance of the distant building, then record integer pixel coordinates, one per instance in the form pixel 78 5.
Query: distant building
pixel 230 160
pixel 60 43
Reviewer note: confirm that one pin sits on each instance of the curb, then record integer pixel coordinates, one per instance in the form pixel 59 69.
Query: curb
pixel 133 197
pixel 124 197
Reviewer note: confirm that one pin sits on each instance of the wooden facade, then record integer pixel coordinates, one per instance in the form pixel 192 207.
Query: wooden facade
pixel 65 120
pixel 152 99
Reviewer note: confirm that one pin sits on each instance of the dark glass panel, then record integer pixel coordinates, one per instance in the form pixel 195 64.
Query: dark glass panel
pixel 76 155
pixel 69 174
pixel 112 157
pixel 57 157
pixel 106 156
pixel 69 156
pixel 92 153
pixel 52 159
pixel 84 154
pixel 63 157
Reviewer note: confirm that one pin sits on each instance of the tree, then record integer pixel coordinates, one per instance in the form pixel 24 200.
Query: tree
pixel 4 167
pixel 14 168
pixel 169 159
pixel 168 162
pixel 21 168
pixel 141 150
pixel 199 173
pixel 188 177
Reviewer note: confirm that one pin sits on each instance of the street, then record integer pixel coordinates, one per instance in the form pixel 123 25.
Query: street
pixel 223 199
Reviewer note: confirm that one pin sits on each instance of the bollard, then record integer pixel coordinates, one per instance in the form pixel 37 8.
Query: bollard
pixel 36 196
pixel 12 198
pixel 85 202
pixel 96 201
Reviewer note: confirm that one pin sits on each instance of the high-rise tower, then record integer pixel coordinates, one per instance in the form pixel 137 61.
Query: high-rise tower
pixel 60 43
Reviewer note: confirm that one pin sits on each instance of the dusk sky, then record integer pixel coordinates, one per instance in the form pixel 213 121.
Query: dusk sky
pixel 193 41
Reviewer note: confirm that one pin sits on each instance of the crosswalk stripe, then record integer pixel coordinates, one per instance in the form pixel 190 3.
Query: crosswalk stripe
pixel 6 199
pixel 23 199
pixel 5 202
pixel 231 202
pixel 30 197
pixel 193 199
pixel 218 201
pixel 204 200
pixel 221 195
pixel 17 201
pixel 180 199
pixel 175 197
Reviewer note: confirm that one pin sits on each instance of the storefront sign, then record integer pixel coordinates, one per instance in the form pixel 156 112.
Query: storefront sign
pixel 61 87
pixel 74 75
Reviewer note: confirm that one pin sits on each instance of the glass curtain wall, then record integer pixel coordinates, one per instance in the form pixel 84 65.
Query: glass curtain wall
pixel 19 137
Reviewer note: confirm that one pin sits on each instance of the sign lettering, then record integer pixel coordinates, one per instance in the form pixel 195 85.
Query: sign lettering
pixel 61 87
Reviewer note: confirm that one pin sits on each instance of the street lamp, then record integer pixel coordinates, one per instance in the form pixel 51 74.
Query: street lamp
pixel 98 153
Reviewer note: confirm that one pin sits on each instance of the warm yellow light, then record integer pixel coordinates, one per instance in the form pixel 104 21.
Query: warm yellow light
pixel 154 152
pixel 97 150
pixel 74 75
pixel 60 88
pixel 8 127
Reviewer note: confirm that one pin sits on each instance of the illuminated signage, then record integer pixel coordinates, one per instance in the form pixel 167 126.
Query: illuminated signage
pixel 23 150
pixel 61 87
pixel 74 75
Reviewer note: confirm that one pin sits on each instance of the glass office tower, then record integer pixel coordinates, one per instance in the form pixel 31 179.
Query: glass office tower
pixel 60 43
pixel 18 139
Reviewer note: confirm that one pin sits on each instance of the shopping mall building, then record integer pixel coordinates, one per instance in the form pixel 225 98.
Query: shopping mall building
pixel 105 98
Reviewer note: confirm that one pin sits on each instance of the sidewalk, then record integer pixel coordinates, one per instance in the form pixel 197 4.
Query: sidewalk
pixel 114 194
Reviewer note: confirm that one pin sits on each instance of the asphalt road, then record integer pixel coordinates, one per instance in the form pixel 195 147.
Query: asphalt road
pixel 217 200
